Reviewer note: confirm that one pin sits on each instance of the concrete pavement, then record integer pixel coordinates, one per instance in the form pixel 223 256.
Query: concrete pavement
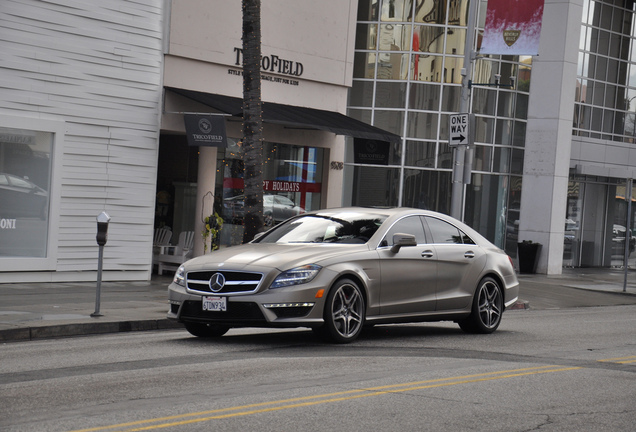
pixel 30 311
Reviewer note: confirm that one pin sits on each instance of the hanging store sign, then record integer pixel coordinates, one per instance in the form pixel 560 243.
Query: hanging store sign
pixel 205 130
pixel 366 151
pixel 513 27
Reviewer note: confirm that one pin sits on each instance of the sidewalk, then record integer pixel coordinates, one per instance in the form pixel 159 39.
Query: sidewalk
pixel 30 311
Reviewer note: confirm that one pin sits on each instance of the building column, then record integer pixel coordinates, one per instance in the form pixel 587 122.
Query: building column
pixel 549 132
pixel 206 181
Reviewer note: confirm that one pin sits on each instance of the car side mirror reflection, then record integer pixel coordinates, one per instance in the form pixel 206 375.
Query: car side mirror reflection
pixel 400 240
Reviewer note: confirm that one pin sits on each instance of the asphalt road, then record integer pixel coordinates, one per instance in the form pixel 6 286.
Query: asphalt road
pixel 549 369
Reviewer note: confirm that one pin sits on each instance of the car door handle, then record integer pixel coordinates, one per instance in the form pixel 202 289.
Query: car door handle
pixel 469 254
pixel 427 254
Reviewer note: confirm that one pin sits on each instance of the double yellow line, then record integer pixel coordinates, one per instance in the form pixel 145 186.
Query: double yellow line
pixel 306 401
pixel 621 360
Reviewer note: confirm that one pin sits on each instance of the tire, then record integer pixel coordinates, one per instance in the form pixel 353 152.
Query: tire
pixel 485 315
pixel 344 312
pixel 206 330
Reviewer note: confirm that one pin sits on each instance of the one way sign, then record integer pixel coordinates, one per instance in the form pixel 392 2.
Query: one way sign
pixel 459 129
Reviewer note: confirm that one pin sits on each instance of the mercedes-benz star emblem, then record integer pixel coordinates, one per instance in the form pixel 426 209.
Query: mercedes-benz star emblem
pixel 217 282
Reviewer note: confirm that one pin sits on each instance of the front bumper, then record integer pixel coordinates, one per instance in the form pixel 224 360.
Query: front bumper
pixel 294 306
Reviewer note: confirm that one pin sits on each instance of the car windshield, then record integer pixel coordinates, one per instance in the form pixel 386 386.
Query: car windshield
pixel 343 227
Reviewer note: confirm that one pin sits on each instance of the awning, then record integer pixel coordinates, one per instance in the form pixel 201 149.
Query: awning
pixel 294 116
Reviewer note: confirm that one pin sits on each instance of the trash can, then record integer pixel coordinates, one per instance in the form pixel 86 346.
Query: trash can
pixel 528 256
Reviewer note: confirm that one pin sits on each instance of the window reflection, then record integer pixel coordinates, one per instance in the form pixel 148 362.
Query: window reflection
pixel 366 36
pixel 364 65
pixel 25 173
pixel 420 154
pixel 427 68
pixel 390 94
pixel 424 96
pixel 394 37
pixel 396 10
pixel 422 125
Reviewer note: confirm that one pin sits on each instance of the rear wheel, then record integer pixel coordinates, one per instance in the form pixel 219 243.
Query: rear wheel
pixel 487 308
pixel 344 312
pixel 206 330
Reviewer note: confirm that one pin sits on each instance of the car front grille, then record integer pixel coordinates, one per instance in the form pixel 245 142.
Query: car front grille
pixel 239 313
pixel 235 282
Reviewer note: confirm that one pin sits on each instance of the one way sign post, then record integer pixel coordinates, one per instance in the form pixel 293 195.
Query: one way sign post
pixel 459 129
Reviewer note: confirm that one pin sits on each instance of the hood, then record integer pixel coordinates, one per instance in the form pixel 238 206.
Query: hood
pixel 271 255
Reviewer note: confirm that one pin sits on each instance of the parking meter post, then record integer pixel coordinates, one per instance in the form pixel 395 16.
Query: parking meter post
pixel 102 236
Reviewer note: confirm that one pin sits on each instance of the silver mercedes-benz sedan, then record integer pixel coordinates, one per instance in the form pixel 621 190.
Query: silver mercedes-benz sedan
pixel 339 270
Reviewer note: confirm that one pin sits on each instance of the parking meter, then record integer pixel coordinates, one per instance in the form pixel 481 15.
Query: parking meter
pixel 102 234
pixel 102 228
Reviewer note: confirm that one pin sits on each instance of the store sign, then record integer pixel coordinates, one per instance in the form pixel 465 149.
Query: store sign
pixel 274 64
pixel 205 130
pixel 372 152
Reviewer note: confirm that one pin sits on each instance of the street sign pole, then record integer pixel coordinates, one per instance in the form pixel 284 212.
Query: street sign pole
pixel 460 171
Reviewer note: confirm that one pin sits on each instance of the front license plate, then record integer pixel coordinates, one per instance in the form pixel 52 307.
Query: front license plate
pixel 218 304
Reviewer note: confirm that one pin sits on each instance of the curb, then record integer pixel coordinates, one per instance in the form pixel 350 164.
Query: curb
pixel 68 330
pixel 520 305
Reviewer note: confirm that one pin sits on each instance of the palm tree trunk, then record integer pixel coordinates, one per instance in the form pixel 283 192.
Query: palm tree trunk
pixel 252 119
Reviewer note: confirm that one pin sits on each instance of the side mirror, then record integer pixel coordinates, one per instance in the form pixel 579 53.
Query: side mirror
pixel 400 240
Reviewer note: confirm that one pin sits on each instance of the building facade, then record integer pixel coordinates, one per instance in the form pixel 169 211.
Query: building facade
pixel 358 94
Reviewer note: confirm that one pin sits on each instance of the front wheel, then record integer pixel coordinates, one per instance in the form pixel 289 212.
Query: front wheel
pixel 487 308
pixel 344 312
pixel 206 330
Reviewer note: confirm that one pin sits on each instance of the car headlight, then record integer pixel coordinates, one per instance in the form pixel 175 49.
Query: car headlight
pixel 179 276
pixel 296 276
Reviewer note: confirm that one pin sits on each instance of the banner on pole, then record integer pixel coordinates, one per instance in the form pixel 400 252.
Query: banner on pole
pixel 513 27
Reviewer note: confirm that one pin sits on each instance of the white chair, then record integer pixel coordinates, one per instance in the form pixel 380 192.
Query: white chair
pixel 171 257
pixel 162 237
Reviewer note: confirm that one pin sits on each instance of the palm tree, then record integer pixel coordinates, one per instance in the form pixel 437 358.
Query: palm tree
pixel 252 119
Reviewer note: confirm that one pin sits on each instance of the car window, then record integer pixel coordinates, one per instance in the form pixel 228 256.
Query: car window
pixel 443 232
pixel 328 228
pixel 408 225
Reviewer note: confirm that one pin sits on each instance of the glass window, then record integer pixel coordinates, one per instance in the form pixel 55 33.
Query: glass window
pixel 366 36
pixel 393 66
pixel 427 68
pixel 420 154
pixel 364 65
pixel 373 186
pixel 481 158
pixel 484 130
pixel 451 98
pixel 424 96
pixel 390 94
pixel 455 41
pixel 484 101
pixel 292 184
pixel 25 175
pixel 422 125
pixel 428 39
pixel 367 10
pixel 392 121
pixel 361 94
pixel 426 189
pixel 443 232
pixel 501 161
pixel 408 225
pixel 431 11
pixel 396 10
pixel 394 37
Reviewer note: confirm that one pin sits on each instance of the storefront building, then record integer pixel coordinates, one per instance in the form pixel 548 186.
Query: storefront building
pixel 357 98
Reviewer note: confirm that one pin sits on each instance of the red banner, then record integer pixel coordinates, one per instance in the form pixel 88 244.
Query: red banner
pixel 513 27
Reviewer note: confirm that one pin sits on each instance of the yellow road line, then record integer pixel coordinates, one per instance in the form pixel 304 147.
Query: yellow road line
pixel 305 401
pixel 621 360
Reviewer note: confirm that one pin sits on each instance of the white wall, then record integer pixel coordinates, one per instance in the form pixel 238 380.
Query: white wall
pixel 96 69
